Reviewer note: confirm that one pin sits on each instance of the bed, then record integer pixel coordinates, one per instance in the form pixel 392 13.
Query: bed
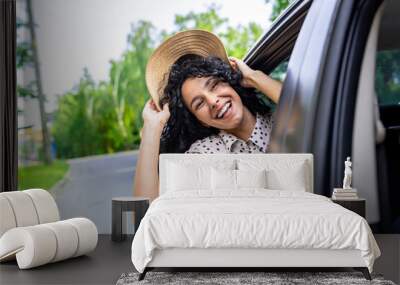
pixel 247 210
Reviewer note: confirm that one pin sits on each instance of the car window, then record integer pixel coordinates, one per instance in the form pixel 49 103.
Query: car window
pixel 279 72
pixel 387 77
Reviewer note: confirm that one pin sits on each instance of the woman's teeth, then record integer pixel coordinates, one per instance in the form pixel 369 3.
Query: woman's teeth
pixel 223 110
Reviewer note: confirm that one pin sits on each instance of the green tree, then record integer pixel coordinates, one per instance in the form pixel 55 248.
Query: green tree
pixel 40 96
pixel 237 40
pixel 277 7
pixel 387 78
pixel 74 130
pixel 132 83
pixel 106 118
pixel 208 20
pixel 24 58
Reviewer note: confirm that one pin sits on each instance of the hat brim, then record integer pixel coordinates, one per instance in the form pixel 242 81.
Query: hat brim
pixel 195 41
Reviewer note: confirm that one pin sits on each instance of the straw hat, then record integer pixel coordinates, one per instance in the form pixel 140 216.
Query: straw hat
pixel 195 41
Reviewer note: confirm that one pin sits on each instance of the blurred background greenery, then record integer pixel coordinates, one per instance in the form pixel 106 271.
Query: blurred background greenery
pixel 105 117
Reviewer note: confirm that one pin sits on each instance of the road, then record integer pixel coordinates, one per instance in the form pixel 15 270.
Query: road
pixel 91 183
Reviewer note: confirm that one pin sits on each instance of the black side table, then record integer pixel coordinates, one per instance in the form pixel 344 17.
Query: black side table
pixel 356 205
pixel 139 205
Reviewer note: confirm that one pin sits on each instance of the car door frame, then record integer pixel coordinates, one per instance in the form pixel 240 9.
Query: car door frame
pixel 316 109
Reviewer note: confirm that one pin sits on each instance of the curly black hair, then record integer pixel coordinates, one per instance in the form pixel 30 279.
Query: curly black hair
pixel 183 128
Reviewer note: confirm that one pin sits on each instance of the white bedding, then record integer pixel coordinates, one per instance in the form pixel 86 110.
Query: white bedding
pixel 251 218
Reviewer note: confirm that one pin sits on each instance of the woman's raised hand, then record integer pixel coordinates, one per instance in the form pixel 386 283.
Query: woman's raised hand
pixel 257 79
pixel 146 182
pixel 153 116
pixel 247 72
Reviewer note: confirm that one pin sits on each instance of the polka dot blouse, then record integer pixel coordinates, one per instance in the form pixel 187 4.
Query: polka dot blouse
pixel 225 142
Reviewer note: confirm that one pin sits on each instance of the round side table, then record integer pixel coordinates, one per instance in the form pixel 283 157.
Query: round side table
pixel 139 205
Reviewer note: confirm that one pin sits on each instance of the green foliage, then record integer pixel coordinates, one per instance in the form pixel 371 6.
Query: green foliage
pixel 133 69
pixel 74 129
pixel 279 73
pixel 237 40
pixel 107 117
pixel 23 54
pixel 29 91
pixel 387 79
pixel 24 57
pixel 277 7
pixel 208 20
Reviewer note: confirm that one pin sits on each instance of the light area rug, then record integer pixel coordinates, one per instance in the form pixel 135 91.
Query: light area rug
pixel 225 278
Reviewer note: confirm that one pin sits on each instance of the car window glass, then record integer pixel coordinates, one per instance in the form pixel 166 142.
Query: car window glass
pixel 387 77
pixel 279 72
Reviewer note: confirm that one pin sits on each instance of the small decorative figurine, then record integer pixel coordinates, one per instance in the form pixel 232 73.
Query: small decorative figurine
pixel 347 174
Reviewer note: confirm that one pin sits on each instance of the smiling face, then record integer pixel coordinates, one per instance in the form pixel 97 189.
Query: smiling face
pixel 213 103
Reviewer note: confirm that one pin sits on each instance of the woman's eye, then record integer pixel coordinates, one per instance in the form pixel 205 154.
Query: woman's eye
pixel 198 105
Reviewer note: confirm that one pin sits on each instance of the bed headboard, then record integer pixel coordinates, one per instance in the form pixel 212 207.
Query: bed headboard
pixel 269 159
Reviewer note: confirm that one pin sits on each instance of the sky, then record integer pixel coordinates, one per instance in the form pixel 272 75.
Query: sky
pixel 237 11
pixel 72 34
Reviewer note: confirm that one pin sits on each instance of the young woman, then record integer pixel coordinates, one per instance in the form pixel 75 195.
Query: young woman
pixel 208 106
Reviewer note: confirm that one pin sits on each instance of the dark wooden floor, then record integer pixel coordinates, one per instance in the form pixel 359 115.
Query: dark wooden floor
pixel 110 259
pixel 102 266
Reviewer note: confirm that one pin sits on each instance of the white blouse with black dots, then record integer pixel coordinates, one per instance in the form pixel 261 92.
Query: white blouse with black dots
pixel 225 142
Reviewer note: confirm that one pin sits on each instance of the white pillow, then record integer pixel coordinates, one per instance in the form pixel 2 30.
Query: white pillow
pixel 281 174
pixel 227 179
pixel 223 179
pixel 293 179
pixel 251 178
pixel 181 178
